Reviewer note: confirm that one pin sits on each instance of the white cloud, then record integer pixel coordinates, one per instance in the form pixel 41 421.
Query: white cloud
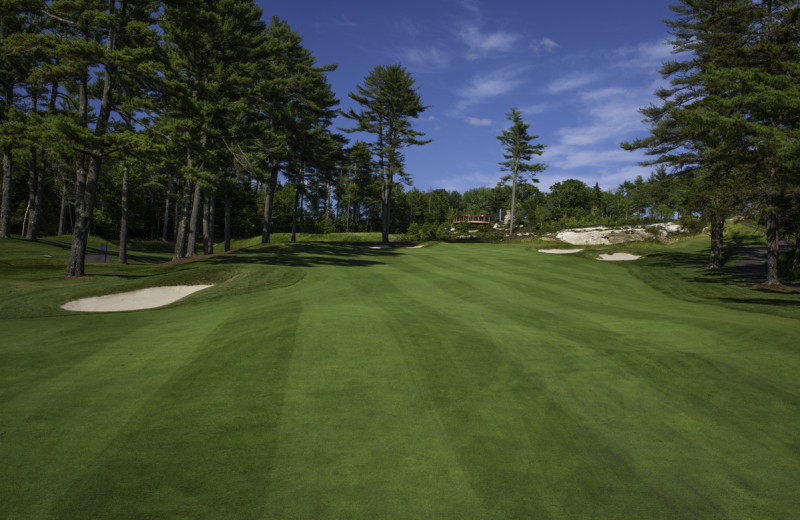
pixel 488 86
pixel 571 82
pixel 544 44
pixel 480 44
pixel 531 110
pixel 474 121
pixel 609 115
pixel 426 58
pixel 603 94
pixel 465 181
pixel 645 55
pixel 569 157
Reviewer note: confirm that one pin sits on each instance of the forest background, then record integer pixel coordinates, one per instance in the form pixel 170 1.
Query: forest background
pixel 191 121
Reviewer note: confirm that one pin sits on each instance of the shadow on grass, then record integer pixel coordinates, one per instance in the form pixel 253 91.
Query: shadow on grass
pixel 151 246
pixel 307 254
pixel 62 244
pixel 759 301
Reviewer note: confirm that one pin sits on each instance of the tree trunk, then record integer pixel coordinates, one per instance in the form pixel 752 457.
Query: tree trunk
pixel 347 217
pixel 182 222
pixel 386 199
pixel 25 218
pixel 296 204
pixel 328 203
pixel 269 200
pixel 38 199
pixel 166 213
pixel 123 221
pixel 206 219
pixel 84 205
pixel 83 218
pixel 62 211
pixel 32 177
pixel 208 224
pixel 5 203
pixel 213 216
pixel 191 240
pixel 773 245
pixel 717 229
pixel 227 222
pixel 513 203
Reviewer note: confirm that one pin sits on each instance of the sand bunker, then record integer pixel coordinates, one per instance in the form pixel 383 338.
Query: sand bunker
pixel 559 251
pixel 384 246
pixel 618 257
pixel 412 247
pixel 134 300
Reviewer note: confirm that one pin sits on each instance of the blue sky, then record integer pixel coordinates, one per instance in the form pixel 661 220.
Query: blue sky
pixel 579 71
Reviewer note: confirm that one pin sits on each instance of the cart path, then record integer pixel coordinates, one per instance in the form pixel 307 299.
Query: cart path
pixel 751 265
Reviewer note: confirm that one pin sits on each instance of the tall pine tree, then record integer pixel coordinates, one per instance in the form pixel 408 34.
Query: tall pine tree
pixel 518 150
pixel 388 101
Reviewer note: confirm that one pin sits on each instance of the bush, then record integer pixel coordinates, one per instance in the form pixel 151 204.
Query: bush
pixel 443 231
pixel 428 231
pixel 462 228
pixel 412 234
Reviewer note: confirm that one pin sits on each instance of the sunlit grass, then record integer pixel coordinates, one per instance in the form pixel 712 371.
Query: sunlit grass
pixel 331 380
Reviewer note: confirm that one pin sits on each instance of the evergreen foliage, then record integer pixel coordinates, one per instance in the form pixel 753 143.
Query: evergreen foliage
pixel 517 151
pixel 388 102
pixel 728 124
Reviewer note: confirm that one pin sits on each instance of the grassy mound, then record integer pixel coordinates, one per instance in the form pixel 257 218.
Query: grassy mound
pixel 329 380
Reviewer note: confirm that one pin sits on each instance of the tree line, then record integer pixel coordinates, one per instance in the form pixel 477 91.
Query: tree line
pixel 148 115
pixel 193 120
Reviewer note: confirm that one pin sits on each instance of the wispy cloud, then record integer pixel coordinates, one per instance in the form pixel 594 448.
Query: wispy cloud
pixel 572 82
pixel 645 55
pixel 544 44
pixel 592 149
pixel 487 86
pixel 481 44
pixel 430 58
pixel 343 21
pixel 474 121
pixel 532 110
pixel 463 181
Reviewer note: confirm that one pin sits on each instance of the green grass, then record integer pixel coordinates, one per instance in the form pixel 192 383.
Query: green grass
pixel 329 380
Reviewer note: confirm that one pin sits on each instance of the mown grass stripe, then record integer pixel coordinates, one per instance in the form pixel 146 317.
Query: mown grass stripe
pixel 359 437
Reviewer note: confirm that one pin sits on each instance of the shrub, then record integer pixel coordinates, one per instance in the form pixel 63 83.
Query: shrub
pixel 428 231
pixel 412 233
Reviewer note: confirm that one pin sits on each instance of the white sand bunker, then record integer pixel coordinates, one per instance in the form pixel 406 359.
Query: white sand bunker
pixel 384 246
pixel 618 257
pixel 134 300
pixel 559 251
pixel 411 247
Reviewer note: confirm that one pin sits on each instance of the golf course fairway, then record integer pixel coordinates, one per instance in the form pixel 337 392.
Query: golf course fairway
pixel 330 380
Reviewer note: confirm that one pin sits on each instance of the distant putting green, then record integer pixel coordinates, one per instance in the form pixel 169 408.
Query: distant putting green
pixel 331 380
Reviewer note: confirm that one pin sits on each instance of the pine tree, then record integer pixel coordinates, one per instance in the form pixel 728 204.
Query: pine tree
pixel 697 130
pixel 18 21
pixel 213 50
pixel 388 101
pixel 97 43
pixel 518 150
pixel 769 104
